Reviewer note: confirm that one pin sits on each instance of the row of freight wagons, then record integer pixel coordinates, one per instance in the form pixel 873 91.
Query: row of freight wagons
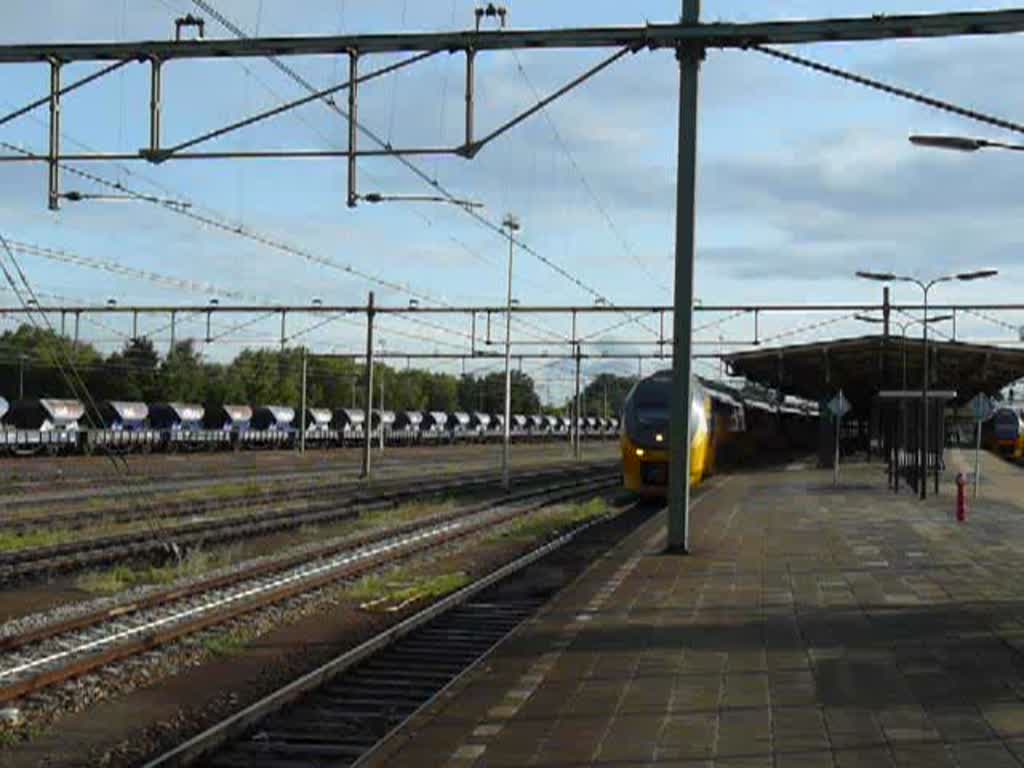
pixel 36 424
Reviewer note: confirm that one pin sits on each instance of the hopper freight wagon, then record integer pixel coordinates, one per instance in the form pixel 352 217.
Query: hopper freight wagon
pixel 180 427
pixel 121 427
pixel 42 425
pixel 350 424
pixel 318 427
pixel 270 426
pixel 50 425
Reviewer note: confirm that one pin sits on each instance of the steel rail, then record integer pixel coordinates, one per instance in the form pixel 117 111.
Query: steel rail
pixel 237 724
pixel 195 481
pixel 192 619
pixel 345 490
pixel 84 553
pixel 14 641
pixel 653 36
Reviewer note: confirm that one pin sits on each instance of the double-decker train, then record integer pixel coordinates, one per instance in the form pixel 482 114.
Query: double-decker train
pixel 1004 432
pixel 726 428
pixel 58 426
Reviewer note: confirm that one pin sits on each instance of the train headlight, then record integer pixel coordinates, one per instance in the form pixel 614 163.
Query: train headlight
pixel 658 438
pixel 640 453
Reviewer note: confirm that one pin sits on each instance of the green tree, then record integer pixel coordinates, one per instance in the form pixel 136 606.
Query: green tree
pixel 488 393
pixel 183 376
pixel 606 394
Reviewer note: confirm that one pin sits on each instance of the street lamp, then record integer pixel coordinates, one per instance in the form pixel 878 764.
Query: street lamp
pixel 903 332
pixel 961 143
pixel 889 277
pixel 377 197
pixel 511 224
pixel 77 197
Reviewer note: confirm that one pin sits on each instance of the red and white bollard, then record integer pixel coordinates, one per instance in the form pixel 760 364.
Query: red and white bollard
pixel 961 498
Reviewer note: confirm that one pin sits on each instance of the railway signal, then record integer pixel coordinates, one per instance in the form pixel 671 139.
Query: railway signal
pixel 982 408
pixel 838 406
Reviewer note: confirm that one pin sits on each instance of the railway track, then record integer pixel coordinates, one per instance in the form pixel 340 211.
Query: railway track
pixel 339 713
pixel 346 488
pixel 91 552
pixel 87 491
pixel 25 492
pixel 46 656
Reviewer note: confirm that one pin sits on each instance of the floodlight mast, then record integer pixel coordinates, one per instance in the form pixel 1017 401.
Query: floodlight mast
pixel 925 287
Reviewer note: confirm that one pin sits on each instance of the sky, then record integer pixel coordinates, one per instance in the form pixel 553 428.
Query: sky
pixel 802 178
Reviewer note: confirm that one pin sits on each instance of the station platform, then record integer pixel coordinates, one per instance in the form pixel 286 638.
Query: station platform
pixel 809 626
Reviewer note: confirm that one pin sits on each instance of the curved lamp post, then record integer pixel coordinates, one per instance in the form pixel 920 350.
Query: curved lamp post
pixel 889 277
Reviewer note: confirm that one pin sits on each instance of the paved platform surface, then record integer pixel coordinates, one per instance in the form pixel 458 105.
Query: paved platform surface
pixel 809 627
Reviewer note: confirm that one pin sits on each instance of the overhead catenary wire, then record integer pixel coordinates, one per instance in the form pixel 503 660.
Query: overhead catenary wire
pixel 405 161
pixel 878 85
pixel 627 248
pixel 994 320
pixel 249 234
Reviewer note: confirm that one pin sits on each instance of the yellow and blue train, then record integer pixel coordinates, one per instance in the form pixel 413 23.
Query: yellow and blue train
pixel 1004 432
pixel 726 429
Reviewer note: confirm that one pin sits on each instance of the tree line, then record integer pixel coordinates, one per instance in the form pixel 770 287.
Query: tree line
pixel 40 363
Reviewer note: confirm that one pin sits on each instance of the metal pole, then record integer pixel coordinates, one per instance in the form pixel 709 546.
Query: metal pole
pixel 283 338
pixel 574 433
pixel 506 453
pixel 380 410
pixel 977 459
pixel 21 376
pixel 302 423
pixel 54 154
pixel 173 318
pixel 686 182
pixel 579 414
pixel 835 464
pixel 78 317
pixel 154 105
pixel 366 473
pixel 470 56
pixel 924 402
pixel 353 77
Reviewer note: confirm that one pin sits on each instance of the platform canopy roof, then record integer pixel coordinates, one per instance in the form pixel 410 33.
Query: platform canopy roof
pixel 864 365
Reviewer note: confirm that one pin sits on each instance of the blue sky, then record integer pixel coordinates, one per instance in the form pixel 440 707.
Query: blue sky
pixel 803 179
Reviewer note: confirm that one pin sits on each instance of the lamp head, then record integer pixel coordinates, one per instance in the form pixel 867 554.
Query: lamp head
pixel 956 143
pixel 884 277
pixel 977 274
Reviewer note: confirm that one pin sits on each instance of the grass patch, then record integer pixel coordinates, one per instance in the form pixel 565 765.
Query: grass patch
pixel 12 541
pixel 119 578
pixel 406 513
pixel 553 521
pixel 400 586
pixel 228 644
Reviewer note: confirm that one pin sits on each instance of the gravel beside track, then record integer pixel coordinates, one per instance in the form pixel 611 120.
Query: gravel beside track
pixel 89 552
pixel 337 713
pixel 40 657
pixel 70 478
